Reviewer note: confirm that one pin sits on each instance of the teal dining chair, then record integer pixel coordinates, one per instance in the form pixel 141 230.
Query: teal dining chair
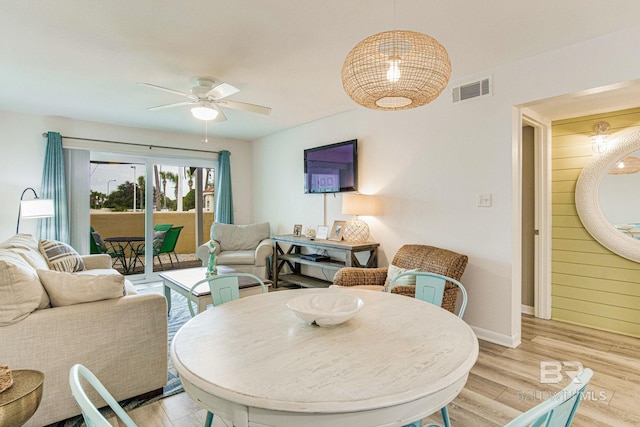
pixel 430 288
pixel 91 414
pixel 224 288
pixel 559 409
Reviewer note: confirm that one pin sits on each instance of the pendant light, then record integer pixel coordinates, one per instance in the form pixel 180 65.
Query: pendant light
pixel 396 70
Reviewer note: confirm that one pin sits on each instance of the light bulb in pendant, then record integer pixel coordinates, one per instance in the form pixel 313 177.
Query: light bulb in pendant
pixel 393 73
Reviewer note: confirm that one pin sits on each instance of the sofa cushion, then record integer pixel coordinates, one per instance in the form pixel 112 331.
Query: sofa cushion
pixel 72 288
pixel 60 256
pixel 20 289
pixel 240 237
pixel 26 246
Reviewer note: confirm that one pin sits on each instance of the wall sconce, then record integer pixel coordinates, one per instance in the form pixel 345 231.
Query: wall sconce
pixel 357 231
pixel 36 208
pixel 599 143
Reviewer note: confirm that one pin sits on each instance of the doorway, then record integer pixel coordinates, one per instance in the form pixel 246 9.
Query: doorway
pixel 535 169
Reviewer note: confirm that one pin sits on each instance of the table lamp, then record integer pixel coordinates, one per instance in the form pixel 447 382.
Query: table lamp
pixel 357 231
pixel 36 208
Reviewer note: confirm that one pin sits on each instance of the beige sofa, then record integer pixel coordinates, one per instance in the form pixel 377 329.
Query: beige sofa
pixel 122 339
pixel 245 248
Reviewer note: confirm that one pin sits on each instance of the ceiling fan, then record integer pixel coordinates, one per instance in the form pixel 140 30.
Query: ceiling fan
pixel 207 97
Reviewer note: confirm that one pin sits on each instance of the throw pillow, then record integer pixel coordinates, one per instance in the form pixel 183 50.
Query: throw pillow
pixel 71 288
pixel 60 256
pixel 393 272
pixel 21 292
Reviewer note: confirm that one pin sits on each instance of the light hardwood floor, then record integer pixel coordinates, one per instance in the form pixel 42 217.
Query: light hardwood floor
pixel 505 382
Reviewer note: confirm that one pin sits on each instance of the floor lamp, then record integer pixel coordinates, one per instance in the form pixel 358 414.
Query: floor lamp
pixel 36 208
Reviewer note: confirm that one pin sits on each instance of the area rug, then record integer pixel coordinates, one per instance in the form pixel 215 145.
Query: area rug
pixel 179 316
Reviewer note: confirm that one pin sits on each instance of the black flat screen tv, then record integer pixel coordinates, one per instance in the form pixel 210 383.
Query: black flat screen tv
pixel 331 168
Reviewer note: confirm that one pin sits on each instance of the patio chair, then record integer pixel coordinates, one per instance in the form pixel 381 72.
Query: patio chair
pixel 224 288
pixel 430 287
pixel 164 242
pixel 114 250
pixel 91 414
pixel 159 233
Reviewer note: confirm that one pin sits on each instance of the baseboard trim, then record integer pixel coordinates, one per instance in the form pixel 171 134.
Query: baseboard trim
pixel 527 309
pixel 511 341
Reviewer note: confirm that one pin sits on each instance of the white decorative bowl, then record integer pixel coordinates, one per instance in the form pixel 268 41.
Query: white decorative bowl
pixel 325 309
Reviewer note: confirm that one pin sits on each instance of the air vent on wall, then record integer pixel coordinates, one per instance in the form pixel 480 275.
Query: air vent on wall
pixel 472 90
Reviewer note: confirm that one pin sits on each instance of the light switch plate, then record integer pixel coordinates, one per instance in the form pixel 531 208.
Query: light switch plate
pixel 483 200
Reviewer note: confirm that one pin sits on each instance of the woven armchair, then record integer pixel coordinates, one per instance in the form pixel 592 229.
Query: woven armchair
pixel 424 258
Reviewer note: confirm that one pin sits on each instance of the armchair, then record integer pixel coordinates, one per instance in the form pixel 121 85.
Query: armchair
pixel 421 257
pixel 245 248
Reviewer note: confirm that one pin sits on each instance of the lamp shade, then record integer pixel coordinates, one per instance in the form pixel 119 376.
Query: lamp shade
pixel 358 204
pixel 396 70
pixel 36 208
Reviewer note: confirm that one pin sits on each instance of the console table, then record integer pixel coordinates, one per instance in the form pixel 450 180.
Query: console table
pixel 292 258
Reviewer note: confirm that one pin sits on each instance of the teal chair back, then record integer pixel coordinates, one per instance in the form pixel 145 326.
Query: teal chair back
pixel 224 288
pixel 430 288
pixel 558 410
pixel 91 414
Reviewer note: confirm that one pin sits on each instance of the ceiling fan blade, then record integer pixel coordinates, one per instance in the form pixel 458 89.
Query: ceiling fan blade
pixel 243 106
pixel 176 92
pixel 221 117
pixel 222 91
pixel 175 104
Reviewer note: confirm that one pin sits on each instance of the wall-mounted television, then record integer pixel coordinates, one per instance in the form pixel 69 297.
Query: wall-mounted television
pixel 331 168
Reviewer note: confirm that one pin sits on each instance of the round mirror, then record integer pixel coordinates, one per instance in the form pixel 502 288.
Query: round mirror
pixel 607 200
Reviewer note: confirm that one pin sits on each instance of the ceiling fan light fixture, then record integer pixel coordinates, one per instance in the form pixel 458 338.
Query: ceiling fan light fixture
pixel 204 112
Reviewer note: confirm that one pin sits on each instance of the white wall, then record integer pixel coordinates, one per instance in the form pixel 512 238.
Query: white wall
pixel 428 165
pixel 23 149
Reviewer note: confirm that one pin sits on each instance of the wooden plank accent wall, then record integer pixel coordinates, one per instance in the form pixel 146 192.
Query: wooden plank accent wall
pixel 591 285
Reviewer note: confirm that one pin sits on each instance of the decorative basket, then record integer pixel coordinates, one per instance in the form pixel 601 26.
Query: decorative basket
pixel 6 379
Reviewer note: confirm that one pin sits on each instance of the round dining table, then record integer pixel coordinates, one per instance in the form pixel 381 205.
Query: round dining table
pixel 254 362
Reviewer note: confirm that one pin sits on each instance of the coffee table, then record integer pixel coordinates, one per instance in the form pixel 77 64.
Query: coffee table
pixel 182 280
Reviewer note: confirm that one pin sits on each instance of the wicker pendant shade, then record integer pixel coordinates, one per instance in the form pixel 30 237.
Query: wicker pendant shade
pixel 396 70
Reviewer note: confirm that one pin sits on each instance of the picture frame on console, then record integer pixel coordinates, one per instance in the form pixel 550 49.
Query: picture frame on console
pixel 323 232
pixel 337 230
pixel 297 230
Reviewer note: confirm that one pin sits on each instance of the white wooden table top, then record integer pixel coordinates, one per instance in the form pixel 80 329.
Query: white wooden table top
pixel 255 352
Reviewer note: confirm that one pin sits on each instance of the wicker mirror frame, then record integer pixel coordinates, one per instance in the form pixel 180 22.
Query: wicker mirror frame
pixel 588 206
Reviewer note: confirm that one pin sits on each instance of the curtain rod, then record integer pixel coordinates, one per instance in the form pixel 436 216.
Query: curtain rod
pixel 44 135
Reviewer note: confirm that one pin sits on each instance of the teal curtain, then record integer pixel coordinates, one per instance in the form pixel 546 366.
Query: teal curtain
pixel 54 187
pixel 223 194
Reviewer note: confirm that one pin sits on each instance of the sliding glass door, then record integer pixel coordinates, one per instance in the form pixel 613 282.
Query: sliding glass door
pixel 148 213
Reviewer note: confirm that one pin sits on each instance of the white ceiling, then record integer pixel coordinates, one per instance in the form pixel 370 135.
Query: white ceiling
pixel 82 60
